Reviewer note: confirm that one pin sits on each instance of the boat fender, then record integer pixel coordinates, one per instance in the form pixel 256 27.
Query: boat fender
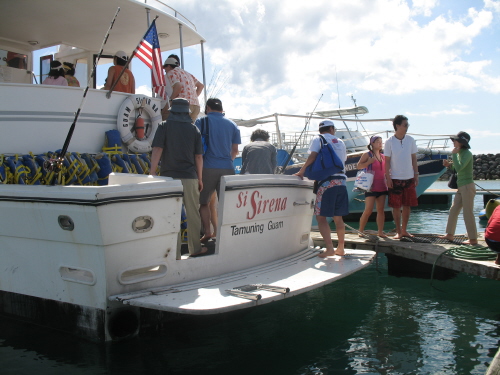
pixel 125 118
pixel 105 168
pixel 138 167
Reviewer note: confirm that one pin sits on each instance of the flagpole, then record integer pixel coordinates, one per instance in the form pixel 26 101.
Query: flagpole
pixel 108 94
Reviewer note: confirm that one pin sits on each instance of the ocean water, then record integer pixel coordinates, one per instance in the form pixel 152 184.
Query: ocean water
pixel 366 323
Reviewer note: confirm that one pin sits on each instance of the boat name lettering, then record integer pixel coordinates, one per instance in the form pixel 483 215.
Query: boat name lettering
pixel 351 166
pixel 236 231
pixel 147 101
pixel 259 205
pixel 255 228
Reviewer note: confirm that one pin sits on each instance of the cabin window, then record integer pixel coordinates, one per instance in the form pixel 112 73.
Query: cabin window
pixel 45 66
pixel 13 59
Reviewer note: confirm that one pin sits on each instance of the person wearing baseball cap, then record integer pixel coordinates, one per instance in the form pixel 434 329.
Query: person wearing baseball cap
pixel 463 164
pixel 126 82
pixel 331 197
pixel 184 85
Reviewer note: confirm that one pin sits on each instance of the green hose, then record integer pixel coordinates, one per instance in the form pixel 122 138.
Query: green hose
pixel 466 252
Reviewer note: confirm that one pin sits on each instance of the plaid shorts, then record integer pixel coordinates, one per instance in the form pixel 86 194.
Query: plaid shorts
pixel 403 193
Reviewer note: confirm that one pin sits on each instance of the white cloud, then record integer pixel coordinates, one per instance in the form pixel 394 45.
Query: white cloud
pixel 281 56
pixel 423 7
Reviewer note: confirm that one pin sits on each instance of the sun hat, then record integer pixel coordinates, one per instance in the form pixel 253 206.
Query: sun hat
pixel 326 123
pixel 170 61
pixel 122 55
pixel 180 105
pixel 463 138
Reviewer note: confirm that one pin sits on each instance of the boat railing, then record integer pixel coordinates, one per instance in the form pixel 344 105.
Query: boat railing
pixel 303 140
pixel 168 9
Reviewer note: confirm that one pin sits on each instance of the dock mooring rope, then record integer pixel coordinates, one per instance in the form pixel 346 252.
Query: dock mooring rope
pixel 467 252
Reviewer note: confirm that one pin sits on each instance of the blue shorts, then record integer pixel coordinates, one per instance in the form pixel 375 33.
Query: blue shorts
pixel 332 200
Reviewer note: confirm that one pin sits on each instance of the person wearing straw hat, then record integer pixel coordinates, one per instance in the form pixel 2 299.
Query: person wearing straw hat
pixel 69 70
pixel 127 81
pixel 462 163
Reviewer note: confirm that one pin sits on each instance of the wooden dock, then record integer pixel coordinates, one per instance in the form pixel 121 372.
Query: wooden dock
pixel 422 252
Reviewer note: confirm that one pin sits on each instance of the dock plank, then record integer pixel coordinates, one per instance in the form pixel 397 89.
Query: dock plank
pixel 423 252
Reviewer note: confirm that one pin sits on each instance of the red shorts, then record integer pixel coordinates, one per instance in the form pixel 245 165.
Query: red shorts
pixel 403 193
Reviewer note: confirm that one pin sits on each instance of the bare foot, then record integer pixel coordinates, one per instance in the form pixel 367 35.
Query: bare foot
pixel 448 237
pixel 205 238
pixel 382 234
pixel 361 235
pixel 327 253
pixel 397 236
pixel 406 234
pixel 470 242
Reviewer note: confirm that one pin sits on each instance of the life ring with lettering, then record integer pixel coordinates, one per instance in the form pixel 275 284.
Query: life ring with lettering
pixel 137 133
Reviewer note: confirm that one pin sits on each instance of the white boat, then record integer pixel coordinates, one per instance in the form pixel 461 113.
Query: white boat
pixel 97 260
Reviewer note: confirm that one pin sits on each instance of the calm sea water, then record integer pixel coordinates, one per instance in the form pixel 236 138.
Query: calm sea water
pixel 367 323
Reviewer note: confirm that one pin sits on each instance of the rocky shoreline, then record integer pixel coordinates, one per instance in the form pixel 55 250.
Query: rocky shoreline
pixel 486 167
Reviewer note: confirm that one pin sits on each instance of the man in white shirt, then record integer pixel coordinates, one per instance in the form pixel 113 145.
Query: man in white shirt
pixel 331 198
pixel 401 172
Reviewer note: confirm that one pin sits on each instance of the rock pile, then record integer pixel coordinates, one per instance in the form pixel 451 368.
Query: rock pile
pixel 486 167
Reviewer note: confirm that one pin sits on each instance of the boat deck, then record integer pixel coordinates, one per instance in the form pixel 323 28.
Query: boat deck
pixel 423 252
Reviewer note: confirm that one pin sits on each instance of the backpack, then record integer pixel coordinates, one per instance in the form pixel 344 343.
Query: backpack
pixel 204 133
pixel 327 163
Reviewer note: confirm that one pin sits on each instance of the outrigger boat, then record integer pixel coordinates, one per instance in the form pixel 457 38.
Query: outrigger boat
pixel 102 261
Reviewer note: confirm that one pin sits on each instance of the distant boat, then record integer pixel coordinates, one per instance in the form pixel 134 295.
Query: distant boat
pixel 431 148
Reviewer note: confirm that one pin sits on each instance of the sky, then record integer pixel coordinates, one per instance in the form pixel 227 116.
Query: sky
pixel 435 61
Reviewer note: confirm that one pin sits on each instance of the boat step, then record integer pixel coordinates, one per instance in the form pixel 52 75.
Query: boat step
pixel 245 291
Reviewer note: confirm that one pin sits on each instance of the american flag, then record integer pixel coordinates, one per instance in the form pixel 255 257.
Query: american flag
pixel 148 51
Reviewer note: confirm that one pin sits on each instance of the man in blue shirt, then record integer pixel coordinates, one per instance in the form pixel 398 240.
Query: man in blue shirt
pixel 223 140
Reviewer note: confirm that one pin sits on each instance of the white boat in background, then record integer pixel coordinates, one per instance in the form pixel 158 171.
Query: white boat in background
pixel 97 260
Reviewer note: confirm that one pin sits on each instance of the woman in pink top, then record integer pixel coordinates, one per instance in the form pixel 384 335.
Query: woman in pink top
pixel 374 160
pixel 56 75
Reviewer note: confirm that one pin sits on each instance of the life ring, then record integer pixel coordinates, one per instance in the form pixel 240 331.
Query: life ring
pixel 126 119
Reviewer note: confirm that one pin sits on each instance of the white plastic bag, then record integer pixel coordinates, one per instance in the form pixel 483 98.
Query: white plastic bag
pixel 364 180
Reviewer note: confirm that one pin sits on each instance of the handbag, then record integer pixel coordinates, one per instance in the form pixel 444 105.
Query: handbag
pixel 452 183
pixel 364 180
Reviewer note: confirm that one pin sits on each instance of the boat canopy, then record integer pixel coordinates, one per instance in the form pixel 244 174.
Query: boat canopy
pixel 25 25
pixel 360 110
